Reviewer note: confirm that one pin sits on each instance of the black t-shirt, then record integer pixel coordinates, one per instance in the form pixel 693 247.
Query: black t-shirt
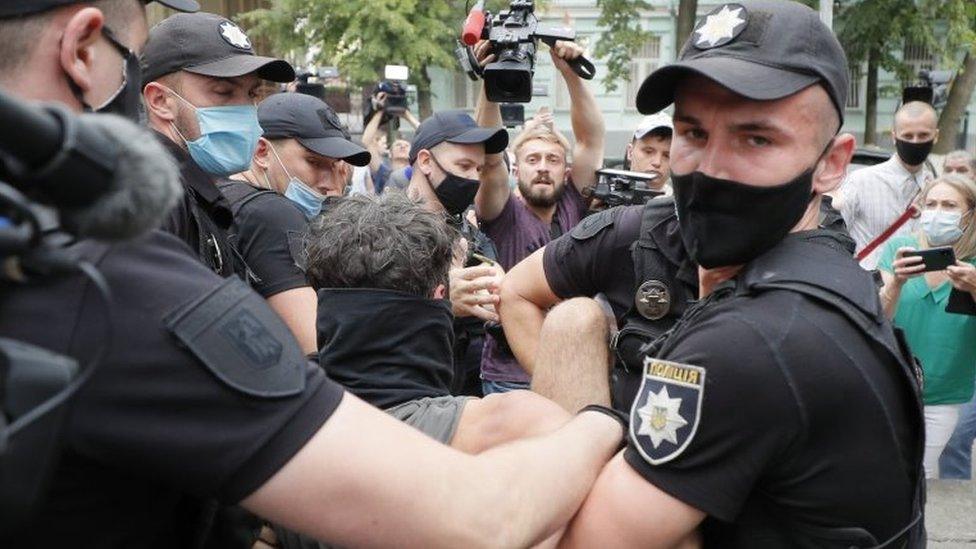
pixel 778 412
pixel 601 263
pixel 269 231
pixel 154 424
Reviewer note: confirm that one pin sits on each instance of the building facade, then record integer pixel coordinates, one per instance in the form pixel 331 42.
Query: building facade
pixel 454 90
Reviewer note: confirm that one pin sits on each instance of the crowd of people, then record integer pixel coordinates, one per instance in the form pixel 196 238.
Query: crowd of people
pixel 447 341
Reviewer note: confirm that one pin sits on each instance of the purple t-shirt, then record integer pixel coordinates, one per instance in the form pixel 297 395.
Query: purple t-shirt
pixel 517 232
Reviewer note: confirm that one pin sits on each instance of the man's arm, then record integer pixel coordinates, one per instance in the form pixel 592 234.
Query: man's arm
pixel 346 487
pixel 298 308
pixel 370 134
pixel 525 298
pixel 588 127
pixel 494 191
pixel 411 119
pixel 624 510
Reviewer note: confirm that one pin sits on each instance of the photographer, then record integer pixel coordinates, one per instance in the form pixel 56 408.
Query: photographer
pixel 550 201
pixel 376 143
pixel 649 151
pixel 205 393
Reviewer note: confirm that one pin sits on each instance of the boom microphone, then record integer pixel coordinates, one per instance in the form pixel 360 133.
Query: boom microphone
pixel 108 177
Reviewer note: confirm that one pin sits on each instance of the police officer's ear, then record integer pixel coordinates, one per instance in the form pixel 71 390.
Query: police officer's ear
pixel 262 155
pixel 160 103
pixel 424 163
pixel 77 52
pixel 832 167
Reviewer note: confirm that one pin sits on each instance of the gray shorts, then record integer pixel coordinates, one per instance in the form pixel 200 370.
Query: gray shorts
pixel 436 417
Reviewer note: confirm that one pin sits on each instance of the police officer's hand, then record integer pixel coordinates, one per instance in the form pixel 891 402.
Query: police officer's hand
pixel 905 267
pixel 564 51
pixel 474 291
pixel 482 52
pixel 962 276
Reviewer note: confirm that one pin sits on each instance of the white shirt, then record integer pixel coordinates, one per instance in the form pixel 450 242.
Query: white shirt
pixel 359 180
pixel 873 198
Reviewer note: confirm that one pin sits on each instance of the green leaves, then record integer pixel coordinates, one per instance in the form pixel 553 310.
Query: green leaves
pixel 622 38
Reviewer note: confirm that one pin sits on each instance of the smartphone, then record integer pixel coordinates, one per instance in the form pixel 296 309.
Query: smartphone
pixel 935 259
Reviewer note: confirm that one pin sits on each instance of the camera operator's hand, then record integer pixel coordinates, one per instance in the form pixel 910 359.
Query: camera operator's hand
pixel 482 53
pixel 379 101
pixel 564 51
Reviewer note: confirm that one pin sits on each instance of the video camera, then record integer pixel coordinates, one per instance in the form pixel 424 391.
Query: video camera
pixel 513 35
pixel 621 187
pixel 396 97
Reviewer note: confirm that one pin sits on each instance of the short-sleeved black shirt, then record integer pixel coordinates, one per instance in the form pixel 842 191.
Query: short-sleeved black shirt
pixel 269 231
pixel 601 263
pixel 153 424
pixel 800 418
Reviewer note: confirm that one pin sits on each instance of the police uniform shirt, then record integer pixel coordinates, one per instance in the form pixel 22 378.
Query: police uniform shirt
pixel 588 261
pixel 269 231
pixel 203 217
pixel 163 418
pixel 772 414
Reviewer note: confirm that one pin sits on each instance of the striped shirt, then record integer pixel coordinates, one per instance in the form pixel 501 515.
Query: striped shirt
pixel 873 198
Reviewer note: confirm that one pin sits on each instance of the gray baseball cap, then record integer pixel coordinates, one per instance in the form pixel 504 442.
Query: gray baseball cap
pixel 456 127
pixel 25 7
pixel 311 122
pixel 207 44
pixel 760 49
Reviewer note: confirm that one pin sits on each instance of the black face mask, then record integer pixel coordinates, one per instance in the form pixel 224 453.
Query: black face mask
pixel 125 101
pixel 726 223
pixel 455 193
pixel 913 154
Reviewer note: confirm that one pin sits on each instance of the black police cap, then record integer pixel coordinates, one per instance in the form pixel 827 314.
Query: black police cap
pixel 25 7
pixel 311 122
pixel 760 49
pixel 206 44
pixel 456 127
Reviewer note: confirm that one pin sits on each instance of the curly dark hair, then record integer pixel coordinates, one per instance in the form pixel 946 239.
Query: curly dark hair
pixel 387 242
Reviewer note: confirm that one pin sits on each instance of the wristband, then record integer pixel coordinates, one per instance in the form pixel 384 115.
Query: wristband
pixel 621 418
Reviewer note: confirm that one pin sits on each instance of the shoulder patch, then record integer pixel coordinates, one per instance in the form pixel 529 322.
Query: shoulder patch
pixel 592 225
pixel 241 341
pixel 665 414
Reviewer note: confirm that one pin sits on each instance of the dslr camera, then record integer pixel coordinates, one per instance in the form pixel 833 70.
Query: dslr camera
pixel 621 187
pixel 513 36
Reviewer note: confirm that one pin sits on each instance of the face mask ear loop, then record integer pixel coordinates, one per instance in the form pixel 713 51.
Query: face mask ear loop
pixel 280 163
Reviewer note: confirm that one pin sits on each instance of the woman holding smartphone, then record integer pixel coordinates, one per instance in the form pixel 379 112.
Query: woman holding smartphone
pixel 915 295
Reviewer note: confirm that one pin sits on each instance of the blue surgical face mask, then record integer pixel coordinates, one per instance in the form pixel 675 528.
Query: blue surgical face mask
pixel 941 228
pixel 228 137
pixel 308 200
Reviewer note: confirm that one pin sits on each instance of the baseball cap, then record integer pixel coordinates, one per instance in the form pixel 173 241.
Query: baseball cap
pixel 456 127
pixel 25 7
pixel 311 122
pixel 653 122
pixel 760 49
pixel 207 44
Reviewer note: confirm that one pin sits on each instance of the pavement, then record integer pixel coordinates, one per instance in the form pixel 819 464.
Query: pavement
pixel 950 514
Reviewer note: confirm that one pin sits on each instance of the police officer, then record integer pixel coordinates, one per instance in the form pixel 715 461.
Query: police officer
pixel 301 157
pixel 204 391
pixel 201 83
pixel 781 410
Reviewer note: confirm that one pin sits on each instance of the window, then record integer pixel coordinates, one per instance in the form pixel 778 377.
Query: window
pixel 645 61
pixel 918 57
pixel 854 91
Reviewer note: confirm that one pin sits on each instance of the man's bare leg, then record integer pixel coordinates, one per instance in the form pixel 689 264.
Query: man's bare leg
pixel 573 361
pixel 504 417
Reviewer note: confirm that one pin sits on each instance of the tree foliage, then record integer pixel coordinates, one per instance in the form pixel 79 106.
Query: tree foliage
pixel 622 37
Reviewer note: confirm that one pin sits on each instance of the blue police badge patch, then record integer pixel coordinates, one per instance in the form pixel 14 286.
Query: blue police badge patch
pixel 665 414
